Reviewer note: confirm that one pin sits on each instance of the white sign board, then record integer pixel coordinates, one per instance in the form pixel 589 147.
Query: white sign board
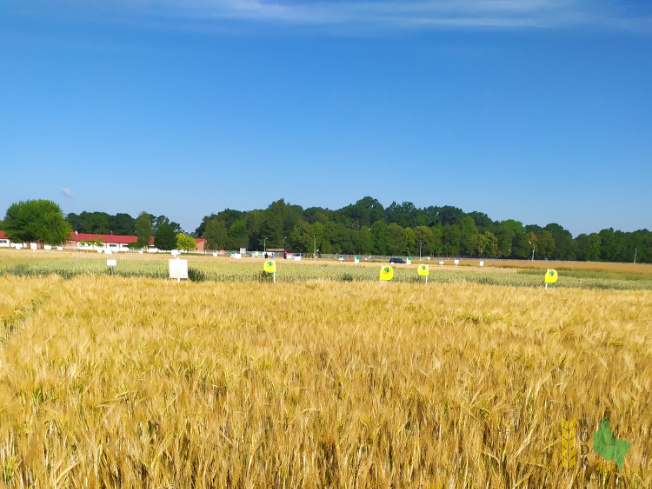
pixel 409 261
pixel 243 251
pixel 174 252
pixel 457 262
pixel 297 258
pixel 111 263
pixel 32 246
pixel 60 248
pixel 441 262
pixel 482 264
pixel 178 269
pixel 237 256
pixel 357 259
pixel 47 247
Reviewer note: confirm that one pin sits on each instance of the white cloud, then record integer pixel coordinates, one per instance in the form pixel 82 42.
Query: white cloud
pixel 67 192
pixel 408 14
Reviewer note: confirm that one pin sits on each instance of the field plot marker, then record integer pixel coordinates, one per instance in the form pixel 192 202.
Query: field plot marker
pixel 424 271
pixel 386 273
pixel 270 267
pixel 551 277
pixel 111 263
pixel 178 268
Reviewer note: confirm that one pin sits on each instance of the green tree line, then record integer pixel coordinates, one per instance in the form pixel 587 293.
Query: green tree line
pixel 367 227
pixel 121 224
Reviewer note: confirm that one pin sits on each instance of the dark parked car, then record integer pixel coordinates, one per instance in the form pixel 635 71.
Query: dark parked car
pixel 396 260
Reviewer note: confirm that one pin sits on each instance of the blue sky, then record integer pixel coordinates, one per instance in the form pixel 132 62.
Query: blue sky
pixel 535 110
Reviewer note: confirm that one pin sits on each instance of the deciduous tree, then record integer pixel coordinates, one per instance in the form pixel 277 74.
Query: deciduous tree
pixel 165 238
pixel 36 221
pixel 143 229
pixel 186 242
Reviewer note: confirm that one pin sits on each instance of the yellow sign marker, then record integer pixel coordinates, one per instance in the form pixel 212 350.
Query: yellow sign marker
pixel 386 273
pixel 423 270
pixel 551 276
pixel 270 266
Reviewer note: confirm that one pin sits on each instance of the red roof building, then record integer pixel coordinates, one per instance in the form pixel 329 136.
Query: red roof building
pixel 114 242
pixel 4 240
pixel 80 241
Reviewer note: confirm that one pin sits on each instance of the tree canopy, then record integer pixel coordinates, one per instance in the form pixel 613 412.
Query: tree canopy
pixel 36 221
pixel 143 229
pixel 186 242
pixel 165 238
pixel 366 227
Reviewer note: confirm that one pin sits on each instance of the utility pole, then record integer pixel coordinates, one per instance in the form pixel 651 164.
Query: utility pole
pixel 284 237
pixel 264 244
pixel 635 251
pixel 314 249
pixel 533 248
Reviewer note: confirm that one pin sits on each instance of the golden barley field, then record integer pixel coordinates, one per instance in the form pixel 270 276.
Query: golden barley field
pixel 139 382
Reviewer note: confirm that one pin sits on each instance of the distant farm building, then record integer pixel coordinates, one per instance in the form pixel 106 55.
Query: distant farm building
pixel 91 241
pixel 84 241
pixel 5 242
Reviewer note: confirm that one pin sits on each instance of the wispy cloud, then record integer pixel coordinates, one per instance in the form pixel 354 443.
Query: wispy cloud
pixel 409 14
pixel 67 192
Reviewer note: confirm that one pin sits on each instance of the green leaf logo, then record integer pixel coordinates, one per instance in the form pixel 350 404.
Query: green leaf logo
pixel 609 447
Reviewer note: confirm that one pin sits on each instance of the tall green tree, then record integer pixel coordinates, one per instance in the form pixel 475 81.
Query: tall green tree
pixel 165 237
pixel 273 227
pixel 143 228
pixel 411 246
pixel 395 236
pixel 186 242
pixel 75 221
pixel 451 237
pixel 123 224
pixel 365 241
pixel 486 244
pixel 215 234
pixel 158 221
pixel 468 231
pixel 378 234
pixel 610 245
pixel 301 238
pixel 36 221
pixel 425 239
pixel 511 239
pixel 564 248
pixel 237 233
pixel 545 245
pixel 588 247
pixel 449 215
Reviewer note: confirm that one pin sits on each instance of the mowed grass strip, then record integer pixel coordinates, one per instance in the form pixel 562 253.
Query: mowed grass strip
pixel 148 383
